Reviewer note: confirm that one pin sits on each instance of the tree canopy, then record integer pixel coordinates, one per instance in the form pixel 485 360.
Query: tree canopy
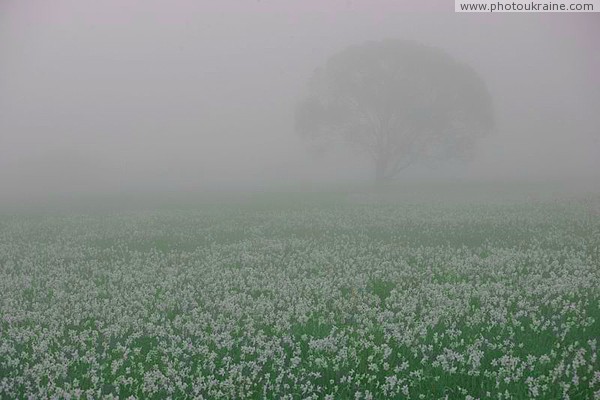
pixel 399 102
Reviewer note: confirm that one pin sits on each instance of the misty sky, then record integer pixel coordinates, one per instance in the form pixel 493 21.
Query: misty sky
pixel 116 95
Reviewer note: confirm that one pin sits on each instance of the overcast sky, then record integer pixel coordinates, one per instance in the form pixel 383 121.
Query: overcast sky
pixel 116 94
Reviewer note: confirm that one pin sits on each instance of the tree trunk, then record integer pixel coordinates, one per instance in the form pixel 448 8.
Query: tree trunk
pixel 380 171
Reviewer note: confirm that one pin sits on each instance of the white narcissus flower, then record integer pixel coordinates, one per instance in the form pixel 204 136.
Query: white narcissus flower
pixel 379 301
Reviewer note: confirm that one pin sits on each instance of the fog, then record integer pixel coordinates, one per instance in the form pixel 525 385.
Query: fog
pixel 124 96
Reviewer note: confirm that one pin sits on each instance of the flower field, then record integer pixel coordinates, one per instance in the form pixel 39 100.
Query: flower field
pixel 304 301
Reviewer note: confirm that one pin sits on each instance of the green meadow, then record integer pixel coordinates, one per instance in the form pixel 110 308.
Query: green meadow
pixel 333 296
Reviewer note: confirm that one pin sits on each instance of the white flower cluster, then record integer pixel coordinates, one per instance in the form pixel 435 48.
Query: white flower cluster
pixel 488 301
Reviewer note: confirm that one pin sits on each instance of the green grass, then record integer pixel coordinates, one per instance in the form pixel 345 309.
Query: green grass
pixel 227 296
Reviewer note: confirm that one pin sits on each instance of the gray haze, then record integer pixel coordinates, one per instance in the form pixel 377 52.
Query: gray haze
pixel 109 96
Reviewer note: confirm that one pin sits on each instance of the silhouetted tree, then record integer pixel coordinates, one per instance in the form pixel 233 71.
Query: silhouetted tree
pixel 398 101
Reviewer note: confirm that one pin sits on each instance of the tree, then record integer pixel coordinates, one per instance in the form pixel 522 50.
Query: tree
pixel 400 102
